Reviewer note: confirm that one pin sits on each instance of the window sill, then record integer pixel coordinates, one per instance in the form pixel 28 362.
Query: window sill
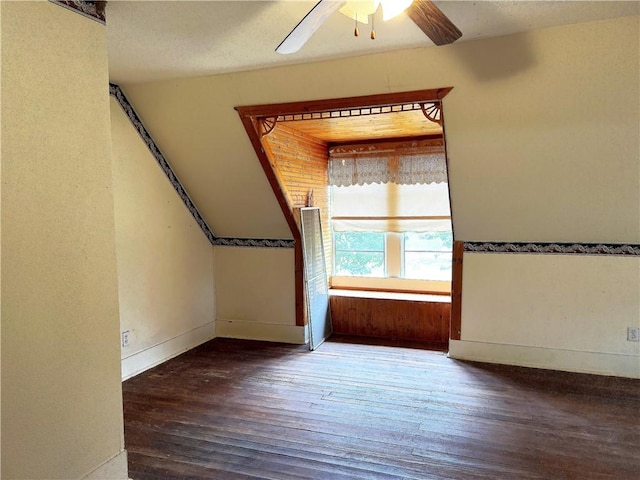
pixel 400 285
pixel 380 295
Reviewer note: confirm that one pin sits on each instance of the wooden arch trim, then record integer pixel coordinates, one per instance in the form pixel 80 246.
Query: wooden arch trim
pixel 252 118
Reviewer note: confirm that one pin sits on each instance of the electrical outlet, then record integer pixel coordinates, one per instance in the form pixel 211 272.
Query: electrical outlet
pixel 633 334
pixel 125 338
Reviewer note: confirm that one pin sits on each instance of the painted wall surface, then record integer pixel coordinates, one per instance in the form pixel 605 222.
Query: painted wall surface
pixel 563 306
pixel 542 136
pixel 255 294
pixel 210 135
pixel 61 388
pixel 165 263
pixel 544 142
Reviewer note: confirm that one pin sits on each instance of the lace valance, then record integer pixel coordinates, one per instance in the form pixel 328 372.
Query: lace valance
pixel 405 170
pixel 403 166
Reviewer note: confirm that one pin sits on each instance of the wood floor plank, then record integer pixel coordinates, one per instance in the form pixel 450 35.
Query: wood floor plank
pixel 234 409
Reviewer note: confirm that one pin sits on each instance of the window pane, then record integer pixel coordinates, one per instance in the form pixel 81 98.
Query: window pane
pixel 428 241
pixel 359 241
pixel 360 264
pixel 427 265
pixel 359 254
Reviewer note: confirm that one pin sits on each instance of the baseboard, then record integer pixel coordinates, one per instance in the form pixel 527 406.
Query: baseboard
pixel 152 356
pixel 113 469
pixel 547 358
pixel 268 332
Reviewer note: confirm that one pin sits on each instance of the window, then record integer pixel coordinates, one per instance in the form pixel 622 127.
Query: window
pixel 390 214
pixel 427 255
pixel 359 254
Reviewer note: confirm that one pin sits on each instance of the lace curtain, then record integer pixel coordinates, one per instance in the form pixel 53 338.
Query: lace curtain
pixel 399 168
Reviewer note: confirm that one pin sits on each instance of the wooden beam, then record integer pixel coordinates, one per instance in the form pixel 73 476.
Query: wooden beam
pixel 291 108
pixel 456 291
pixel 253 130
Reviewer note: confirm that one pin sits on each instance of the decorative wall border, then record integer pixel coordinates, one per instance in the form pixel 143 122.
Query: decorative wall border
pixel 620 249
pixel 86 8
pixel 116 92
pixel 253 242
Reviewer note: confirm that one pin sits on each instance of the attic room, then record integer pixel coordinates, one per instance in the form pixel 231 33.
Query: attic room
pixel 143 242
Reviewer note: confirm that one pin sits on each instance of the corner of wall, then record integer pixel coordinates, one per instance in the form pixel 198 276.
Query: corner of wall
pixel 113 469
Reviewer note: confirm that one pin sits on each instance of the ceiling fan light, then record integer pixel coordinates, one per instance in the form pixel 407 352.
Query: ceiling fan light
pixel 360 9
pixel 393 8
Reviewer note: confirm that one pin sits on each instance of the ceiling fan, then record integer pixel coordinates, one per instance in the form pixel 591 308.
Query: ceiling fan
pixel 424 13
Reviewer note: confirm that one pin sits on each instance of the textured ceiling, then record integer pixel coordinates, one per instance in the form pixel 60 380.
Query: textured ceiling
pixel 154 40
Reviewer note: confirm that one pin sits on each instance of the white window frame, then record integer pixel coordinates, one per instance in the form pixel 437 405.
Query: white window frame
pixel 393 262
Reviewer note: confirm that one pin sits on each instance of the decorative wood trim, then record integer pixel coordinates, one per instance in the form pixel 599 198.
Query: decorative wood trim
pixel 267 125
pixel 623 249
pixel 250 116
pixel 411 146
pixel 456 291
pixel 433 112
pixel 430 110
pixel 252 127
pixel 346 103
pixel 434 139
pixel 94 10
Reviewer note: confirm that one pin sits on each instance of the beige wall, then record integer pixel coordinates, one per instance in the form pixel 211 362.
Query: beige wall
pixel 61 390
pixel 569 312
pixel 165 263
pixel 224 169
pixel 0 244
pixel 542 135
pixel 255 294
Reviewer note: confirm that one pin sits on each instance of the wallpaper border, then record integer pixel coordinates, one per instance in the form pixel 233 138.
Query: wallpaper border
pixel 619 249
pixel 254 242
pixel 84 8
pixel 117 92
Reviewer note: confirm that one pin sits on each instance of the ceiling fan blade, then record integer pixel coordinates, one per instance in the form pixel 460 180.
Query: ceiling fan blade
pixel 433 22
pixel 308 25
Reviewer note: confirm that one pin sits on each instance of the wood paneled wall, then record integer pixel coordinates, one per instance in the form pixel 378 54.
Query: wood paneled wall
pixel 392 318
pixel 300 162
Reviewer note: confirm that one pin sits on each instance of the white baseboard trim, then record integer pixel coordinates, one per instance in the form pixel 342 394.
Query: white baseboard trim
pixel 267 332
pixel 113 469
pixel 150 357
pixel 547 358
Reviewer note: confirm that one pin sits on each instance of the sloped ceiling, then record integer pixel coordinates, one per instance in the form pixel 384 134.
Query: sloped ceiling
pixel 500 85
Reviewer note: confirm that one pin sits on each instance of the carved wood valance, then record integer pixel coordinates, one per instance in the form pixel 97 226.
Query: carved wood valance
pixel 385 148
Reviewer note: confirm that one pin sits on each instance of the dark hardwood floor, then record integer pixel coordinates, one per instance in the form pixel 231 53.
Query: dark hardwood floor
pixel 234 409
